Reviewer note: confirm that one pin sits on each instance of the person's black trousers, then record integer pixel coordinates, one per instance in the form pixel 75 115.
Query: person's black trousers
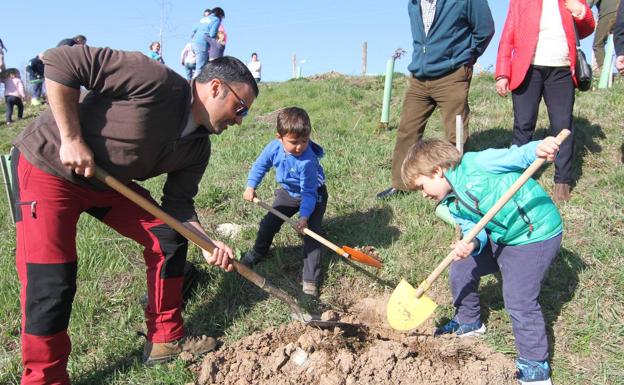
pixel 555 85
pixel 10 102
pixel 270 225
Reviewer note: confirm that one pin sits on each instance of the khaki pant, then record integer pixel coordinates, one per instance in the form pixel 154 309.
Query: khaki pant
pixel 450 93
pixel 603 28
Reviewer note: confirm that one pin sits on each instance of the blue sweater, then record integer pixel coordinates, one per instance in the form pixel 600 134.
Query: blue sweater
pixel 460 33
pixel 207 26
pixel 300 176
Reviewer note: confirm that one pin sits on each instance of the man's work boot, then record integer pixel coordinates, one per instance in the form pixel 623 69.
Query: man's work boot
pixel 161 352
pixel 561 192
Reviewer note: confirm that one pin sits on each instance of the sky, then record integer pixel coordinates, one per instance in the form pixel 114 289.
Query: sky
pixel 324 35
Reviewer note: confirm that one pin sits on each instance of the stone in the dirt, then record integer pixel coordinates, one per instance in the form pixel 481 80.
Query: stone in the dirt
pixel 345 362
pixel 279 359
pixel 308 341
pixel 229 230
pixel 208 371
pixel 330 315
pixel 331 379
pixel 299 357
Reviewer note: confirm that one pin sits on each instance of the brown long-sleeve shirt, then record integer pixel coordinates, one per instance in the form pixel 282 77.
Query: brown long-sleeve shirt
pixel 131 117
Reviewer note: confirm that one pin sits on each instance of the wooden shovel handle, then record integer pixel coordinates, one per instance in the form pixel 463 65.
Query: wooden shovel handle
pixel 306 231
pixel 194 236
pixel 537 163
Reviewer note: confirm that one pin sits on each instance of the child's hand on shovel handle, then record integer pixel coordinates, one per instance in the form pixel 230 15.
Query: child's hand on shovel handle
pixel 301 225
pixel 249 194
pixel 462 249
pixel 548 148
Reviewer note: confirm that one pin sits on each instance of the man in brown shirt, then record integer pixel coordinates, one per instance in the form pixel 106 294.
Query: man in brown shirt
pixel 138 120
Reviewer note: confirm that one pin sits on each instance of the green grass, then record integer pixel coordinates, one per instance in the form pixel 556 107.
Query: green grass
pixel 583 295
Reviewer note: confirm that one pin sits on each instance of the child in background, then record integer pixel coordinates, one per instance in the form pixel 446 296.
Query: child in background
pixel 154 52
pixel 521 241
pixel 13 94
pixel 300 174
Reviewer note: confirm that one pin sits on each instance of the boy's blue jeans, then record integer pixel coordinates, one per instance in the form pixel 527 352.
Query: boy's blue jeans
pixel 523 269
pixel 270 225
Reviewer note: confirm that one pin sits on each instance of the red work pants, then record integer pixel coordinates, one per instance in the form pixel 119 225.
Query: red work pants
pixel 48 211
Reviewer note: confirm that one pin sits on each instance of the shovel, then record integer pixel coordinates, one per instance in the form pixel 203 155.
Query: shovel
pixel 343 251
pixel 205 243
pixel 409 307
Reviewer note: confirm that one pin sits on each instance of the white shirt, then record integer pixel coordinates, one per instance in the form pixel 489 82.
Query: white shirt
pixel 428 9
pixel 255 67
pixel 552 44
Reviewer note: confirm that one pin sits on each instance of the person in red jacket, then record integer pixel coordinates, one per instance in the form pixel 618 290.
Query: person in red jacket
pixel 536 58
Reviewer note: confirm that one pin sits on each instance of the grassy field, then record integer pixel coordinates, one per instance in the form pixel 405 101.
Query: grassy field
pixel 583 295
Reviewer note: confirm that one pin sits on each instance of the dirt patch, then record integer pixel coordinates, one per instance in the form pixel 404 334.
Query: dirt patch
pixel 368 352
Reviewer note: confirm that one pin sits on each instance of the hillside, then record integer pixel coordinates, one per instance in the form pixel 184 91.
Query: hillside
pixel 582 297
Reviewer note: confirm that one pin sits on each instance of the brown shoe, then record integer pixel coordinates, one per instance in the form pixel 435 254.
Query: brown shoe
pixel 561 192
pixel 161 352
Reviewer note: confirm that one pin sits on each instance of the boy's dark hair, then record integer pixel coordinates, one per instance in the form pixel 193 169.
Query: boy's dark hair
pixel 228 69
pixel 218 12
pixel 295 121
pixel 425 156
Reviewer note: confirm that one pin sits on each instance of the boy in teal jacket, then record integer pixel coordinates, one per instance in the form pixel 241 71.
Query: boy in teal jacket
pixel 521 241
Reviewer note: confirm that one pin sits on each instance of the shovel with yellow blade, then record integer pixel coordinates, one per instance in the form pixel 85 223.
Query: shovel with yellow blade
pixel 409 307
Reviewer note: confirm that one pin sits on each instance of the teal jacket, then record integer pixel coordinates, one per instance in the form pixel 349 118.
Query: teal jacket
pixel 482 178
pixel 460 33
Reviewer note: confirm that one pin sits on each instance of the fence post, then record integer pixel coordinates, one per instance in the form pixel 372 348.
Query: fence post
pixel 385 108
pixel 607 65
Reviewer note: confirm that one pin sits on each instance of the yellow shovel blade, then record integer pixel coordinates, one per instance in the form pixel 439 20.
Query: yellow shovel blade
pixel 405 311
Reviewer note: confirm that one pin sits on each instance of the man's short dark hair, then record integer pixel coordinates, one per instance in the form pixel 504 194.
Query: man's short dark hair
pixel 228 69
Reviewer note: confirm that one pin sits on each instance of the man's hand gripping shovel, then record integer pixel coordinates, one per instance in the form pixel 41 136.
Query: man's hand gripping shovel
pixel 409 307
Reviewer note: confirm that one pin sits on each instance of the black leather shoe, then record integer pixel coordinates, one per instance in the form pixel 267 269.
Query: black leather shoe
pixel 390 193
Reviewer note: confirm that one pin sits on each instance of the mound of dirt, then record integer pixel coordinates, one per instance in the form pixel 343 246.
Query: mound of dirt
pixel 366 352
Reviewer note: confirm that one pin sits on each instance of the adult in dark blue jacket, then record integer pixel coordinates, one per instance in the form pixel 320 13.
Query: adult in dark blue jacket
pixel 448 37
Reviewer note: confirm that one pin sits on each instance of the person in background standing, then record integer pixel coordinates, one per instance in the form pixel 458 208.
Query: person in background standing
pixel 13 94
pixel 204 35
pixel 607 10
pixel 536 59
pixel 154 52
pixel 35 78
pixel 187 59
pixel 255 67
pixel 448 37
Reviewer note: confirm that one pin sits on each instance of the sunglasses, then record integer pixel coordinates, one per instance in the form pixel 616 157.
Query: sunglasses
pixel 243 109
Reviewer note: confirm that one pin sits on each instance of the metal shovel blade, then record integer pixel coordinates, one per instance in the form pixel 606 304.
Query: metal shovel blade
pixel 405 310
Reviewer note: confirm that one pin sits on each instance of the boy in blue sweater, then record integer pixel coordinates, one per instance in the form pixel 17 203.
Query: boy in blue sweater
pixel 302 180
pixel 521 241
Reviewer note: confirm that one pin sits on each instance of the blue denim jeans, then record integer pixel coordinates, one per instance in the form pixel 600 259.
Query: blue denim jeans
pixel 201 47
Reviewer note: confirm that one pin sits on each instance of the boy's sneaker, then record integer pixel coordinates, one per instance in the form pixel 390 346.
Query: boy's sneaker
pixel 251 259
pixel 533 372
pixel 472 329
pixel 310 288
pixel 161 352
